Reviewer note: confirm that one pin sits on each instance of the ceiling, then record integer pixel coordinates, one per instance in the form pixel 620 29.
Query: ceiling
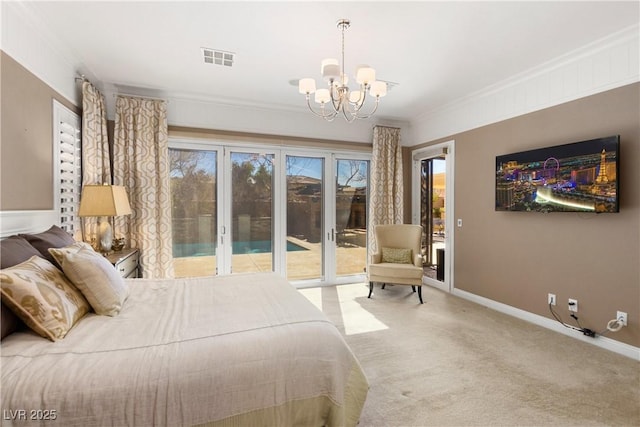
pixel 436 52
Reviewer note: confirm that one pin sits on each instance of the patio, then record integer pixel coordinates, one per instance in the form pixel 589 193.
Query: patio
pixel 301 265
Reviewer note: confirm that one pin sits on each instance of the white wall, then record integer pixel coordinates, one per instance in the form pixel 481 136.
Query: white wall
pixel 606 64
pixel 603 65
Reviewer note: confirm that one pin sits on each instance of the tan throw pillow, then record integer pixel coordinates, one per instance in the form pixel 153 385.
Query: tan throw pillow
pixel 94 275
pixel 396 255
pixel 42 297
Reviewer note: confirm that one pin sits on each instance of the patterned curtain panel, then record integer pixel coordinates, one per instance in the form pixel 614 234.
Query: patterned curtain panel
pixel 96 168
pixel 386 194
pixel 141 164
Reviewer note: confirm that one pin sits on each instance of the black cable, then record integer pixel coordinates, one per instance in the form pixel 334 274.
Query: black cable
pixel 557 317
pixel 586 331
pixel 576 319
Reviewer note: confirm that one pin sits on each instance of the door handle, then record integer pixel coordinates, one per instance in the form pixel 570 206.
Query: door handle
pixel 331 235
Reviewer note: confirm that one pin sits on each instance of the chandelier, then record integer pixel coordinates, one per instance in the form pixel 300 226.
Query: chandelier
pixel 341 99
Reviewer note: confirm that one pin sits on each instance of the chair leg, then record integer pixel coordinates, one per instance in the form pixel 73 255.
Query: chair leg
pixel 383 285
pixel 420 294
pixel 413 288
pixel 370 289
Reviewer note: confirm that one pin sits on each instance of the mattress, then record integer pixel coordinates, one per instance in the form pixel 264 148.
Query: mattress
pixel 244 349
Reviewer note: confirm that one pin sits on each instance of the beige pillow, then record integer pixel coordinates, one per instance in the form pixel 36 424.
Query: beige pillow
pixel 397 255
pixel 94 275
pixel 42 297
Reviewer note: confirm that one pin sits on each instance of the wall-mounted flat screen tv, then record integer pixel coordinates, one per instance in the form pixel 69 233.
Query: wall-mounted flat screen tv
pixel 577 177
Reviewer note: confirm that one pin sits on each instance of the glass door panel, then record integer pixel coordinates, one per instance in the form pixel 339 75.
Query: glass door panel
pixel 432 215
pixel 352 177
pixel 305 219
pixel 193 178
pixel 251 212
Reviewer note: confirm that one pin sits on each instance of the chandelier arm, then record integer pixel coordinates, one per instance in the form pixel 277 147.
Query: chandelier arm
pixel 357 106
pixel 327 116
pixel 360 102
pixel 351 115
pixel 372 112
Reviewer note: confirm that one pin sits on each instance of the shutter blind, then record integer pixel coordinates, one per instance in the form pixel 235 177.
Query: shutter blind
pixel 69 173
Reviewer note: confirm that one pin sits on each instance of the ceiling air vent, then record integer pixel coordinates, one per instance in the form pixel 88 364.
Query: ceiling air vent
pixel 218 57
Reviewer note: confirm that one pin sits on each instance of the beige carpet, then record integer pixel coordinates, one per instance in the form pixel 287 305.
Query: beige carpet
pixel 450 362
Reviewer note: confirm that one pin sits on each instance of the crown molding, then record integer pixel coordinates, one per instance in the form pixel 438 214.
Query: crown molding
pixel 610 62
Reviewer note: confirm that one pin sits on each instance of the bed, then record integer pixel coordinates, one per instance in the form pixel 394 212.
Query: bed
pixel 240 350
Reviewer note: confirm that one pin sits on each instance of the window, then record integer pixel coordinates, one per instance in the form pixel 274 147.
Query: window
pixel 68 174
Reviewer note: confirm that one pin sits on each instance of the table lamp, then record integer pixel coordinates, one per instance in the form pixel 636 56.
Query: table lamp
pixel 104 201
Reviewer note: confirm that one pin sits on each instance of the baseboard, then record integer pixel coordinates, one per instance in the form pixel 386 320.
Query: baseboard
pixel 599 341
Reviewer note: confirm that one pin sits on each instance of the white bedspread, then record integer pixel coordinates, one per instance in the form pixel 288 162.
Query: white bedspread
pixel 220 350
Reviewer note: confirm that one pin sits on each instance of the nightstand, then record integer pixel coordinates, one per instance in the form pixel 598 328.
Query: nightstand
pixel 125 261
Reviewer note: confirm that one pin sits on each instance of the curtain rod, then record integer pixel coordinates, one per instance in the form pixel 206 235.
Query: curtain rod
pixel 115 95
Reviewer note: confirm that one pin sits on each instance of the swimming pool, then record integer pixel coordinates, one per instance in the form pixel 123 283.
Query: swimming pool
pixel 209 249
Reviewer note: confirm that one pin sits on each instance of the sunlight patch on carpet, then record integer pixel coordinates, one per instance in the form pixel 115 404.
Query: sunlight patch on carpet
pixel 355 318
pixel 314 295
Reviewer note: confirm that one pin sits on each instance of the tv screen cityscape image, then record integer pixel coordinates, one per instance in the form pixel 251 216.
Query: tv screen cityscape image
pixel 577 177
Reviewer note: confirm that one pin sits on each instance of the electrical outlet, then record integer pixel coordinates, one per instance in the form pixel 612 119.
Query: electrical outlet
pixel 551 299
pixel 573 305
pixel 622 318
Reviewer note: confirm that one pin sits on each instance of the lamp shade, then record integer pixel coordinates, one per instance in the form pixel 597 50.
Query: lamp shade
pixel 322 96
pixel 104 200
pixel 365 75
pixel 378 89
pixel 330 69
pixel 306 85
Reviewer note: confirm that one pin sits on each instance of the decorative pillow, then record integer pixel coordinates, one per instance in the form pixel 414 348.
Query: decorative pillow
pixel 9 322
pixel 54 237
pixel 42 297
pixel 396 255
pixel 94 275
pixel 13 251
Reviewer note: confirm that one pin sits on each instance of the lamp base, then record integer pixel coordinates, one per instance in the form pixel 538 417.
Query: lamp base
pixel 105 235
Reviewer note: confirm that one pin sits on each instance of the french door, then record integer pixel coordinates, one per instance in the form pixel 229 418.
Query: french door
pixel 351 209
pixel 249 217
pixel 300 213
pixel 194 178
pixel 433 210
pixel 326 229
pixel 307 221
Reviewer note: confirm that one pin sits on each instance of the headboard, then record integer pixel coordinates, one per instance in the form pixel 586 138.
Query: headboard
pixel 26 222
pixel 14 222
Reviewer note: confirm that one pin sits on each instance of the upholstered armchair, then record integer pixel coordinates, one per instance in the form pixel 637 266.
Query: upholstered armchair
pixel 398 259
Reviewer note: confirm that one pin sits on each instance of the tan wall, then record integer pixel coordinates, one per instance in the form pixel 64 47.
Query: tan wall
pixel 26 147
pixel 517 258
